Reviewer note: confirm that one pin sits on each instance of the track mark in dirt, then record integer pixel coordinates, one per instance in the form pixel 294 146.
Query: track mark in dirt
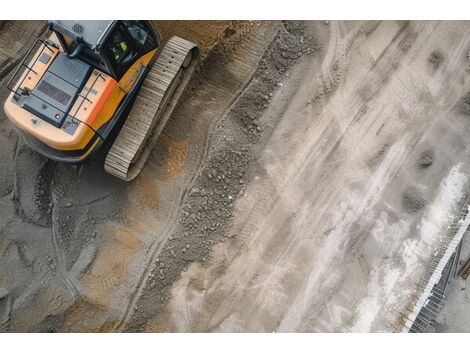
pixel 60 261
pixel 31 192
pixel 109 269
pixel 11 35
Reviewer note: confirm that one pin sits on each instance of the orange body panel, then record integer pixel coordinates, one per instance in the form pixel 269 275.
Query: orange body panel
pixel 120 90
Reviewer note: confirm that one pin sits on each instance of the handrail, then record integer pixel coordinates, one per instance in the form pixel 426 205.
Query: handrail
pixel 28 68
pixel 99 75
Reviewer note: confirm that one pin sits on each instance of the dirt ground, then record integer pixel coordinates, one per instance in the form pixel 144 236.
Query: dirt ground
pixel 304 183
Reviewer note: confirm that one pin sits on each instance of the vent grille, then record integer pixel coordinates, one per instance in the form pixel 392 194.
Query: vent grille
pixel 54 92
pixel 78 28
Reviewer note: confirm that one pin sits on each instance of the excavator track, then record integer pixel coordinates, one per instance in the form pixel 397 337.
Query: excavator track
pixel 156 100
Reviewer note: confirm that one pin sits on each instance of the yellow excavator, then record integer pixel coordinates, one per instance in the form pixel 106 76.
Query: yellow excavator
pixel 93 83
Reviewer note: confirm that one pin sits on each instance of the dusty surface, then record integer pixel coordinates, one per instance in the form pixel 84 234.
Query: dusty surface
pixel 303 184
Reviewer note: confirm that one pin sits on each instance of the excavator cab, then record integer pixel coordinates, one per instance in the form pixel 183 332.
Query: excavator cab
pixel 91 78
pixel 120 43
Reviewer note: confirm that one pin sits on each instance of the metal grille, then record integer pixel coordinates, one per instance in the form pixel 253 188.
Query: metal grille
pixel 77 28
pixel 54 92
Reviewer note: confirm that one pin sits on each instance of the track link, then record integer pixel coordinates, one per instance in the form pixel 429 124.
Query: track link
pixel 156 100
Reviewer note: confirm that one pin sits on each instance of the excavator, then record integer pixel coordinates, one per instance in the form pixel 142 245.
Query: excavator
pixel 96 83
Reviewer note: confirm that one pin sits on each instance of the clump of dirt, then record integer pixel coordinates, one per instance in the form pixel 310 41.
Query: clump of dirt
pixel 426 159
pixel 229 31
pixel 412 201
pixel 464 104
pixel 435 59
pixel 230 164
pixel 42 191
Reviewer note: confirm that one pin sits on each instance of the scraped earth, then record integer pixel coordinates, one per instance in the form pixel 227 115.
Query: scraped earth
pixel 305 182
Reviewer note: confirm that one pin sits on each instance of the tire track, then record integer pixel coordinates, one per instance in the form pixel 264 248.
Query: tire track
pixel 59 256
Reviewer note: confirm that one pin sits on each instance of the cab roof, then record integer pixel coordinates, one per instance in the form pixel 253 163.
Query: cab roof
pixel 92 33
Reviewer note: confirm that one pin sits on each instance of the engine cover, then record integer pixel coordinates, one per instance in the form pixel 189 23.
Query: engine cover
pixel 56 92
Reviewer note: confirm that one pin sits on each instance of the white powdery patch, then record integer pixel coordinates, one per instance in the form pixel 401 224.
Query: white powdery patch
pixel 440 211
pixel 435 221
pixel 369 306
pixel 383 294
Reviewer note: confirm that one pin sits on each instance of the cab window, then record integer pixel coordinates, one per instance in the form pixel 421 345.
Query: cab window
pixel 142 35
pixel 128 41
pixel 120 51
